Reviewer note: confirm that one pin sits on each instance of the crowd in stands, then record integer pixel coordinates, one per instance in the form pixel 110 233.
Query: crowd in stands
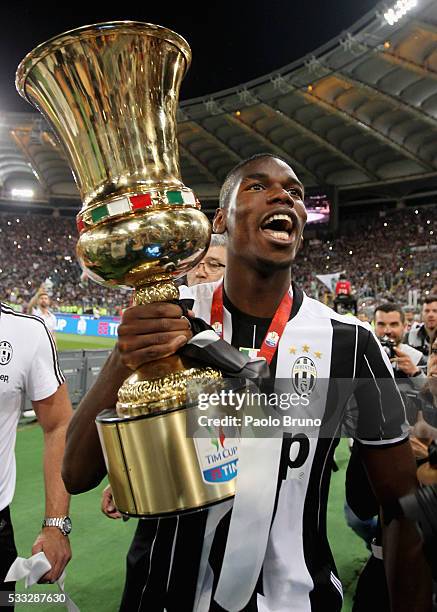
pixel 35 248
pixel 384 256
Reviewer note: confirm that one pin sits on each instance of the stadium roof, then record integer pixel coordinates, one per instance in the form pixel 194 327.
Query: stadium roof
pixel 359 115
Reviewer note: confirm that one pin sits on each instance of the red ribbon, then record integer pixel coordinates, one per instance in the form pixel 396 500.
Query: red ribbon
pixel 275 331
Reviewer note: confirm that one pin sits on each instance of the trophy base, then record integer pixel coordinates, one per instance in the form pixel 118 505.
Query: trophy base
pixel 154 468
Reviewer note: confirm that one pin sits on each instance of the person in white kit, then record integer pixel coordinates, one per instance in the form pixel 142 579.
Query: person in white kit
pixel 29 364
pixel 39 306
pixel 278 561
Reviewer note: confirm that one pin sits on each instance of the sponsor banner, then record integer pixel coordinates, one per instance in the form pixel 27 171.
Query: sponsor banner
pixel 87 325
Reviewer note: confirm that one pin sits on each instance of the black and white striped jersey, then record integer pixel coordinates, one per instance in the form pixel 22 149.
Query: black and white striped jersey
pixel 298 572
pixel 28 364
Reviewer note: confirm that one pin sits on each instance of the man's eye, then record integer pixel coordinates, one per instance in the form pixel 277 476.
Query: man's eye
pixel 295 192
pixel 256 187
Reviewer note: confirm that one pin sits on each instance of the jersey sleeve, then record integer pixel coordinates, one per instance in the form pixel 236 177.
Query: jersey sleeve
pixel 44 375
pixel 381 416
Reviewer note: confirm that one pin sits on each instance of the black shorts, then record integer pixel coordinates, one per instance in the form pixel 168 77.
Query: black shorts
pixel 8 550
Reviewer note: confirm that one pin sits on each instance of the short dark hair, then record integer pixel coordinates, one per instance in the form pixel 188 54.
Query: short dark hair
pixel 390 307
pixel 429 299
pixel 228 183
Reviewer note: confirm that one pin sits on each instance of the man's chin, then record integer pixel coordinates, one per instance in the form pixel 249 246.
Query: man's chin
pixel 271 264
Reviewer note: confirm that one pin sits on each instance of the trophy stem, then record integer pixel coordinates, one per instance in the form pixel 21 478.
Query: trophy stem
pixel 158 290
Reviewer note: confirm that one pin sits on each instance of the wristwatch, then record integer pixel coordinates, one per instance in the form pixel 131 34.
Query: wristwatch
pixel 63 523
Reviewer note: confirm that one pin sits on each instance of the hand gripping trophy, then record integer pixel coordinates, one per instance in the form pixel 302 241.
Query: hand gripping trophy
pixel 110 93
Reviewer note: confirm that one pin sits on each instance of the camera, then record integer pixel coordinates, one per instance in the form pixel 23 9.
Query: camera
pixel 389 346
pixel 421 507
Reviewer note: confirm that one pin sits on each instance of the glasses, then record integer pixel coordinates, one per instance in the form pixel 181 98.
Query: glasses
pixel 211 267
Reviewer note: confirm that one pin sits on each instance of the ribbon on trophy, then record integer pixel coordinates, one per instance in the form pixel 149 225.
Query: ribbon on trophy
pixel 253 505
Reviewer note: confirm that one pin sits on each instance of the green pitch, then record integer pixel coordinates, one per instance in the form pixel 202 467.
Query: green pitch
pixel 96 573
pixel 73 342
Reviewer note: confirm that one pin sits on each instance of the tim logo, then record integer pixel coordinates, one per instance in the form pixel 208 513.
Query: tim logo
pixel 6 352
pixel 304 375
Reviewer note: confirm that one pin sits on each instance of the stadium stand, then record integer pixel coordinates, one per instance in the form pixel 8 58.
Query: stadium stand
pixel 383 256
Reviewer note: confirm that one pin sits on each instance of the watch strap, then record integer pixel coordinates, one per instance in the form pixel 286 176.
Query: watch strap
pixel 57 521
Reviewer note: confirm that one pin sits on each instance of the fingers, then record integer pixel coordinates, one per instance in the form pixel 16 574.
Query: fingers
pixel 157 310
pixel 58 563
pixel 56 548
pixel 108 507
pixel 128 344
pixel 151 331
pixel 135 359
pixel 149 326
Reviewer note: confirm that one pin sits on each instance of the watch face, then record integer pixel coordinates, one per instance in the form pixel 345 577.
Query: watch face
pixel 66 525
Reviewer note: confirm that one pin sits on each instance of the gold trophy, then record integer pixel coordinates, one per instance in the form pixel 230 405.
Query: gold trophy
pixel 110 93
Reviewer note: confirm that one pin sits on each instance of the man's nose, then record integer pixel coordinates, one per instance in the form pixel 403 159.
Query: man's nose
pixel 200 271
pixel 279 195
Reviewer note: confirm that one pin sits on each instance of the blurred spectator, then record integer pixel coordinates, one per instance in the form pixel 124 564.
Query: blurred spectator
pixel 39 305
pixel 212 267
pixel 420 334
pixel 343 295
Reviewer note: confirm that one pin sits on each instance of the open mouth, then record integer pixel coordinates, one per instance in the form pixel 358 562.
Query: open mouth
pixel 278 226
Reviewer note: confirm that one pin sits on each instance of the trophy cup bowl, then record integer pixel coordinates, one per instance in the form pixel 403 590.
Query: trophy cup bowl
pixel 110 93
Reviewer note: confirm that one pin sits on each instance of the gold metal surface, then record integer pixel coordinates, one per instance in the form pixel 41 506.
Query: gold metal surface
pixel 163 291
pixel 162 466
pixel 138 396
pixel 110 94
pixel 135 250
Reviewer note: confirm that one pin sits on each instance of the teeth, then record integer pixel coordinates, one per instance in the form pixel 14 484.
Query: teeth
pixel 278 217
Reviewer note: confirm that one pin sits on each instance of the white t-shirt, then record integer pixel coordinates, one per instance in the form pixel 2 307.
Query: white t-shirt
pixel 28 364
pixel 48 318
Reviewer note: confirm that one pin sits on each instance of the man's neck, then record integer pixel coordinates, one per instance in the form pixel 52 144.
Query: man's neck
pixel 254 293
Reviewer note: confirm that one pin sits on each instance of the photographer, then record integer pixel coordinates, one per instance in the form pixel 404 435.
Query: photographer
pixel 420 334
pixel 389 320
pixel 359 494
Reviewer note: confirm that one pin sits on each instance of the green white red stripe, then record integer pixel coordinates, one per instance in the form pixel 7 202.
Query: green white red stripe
pixel 128 204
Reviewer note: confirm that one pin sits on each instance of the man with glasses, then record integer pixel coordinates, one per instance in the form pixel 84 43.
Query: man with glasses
pixel 212 266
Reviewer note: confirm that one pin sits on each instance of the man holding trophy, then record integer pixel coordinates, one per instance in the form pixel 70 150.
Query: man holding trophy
pixel 266 548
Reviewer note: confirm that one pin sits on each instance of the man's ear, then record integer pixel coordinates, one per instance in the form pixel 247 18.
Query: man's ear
pixel 300 247
pixel 219 221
